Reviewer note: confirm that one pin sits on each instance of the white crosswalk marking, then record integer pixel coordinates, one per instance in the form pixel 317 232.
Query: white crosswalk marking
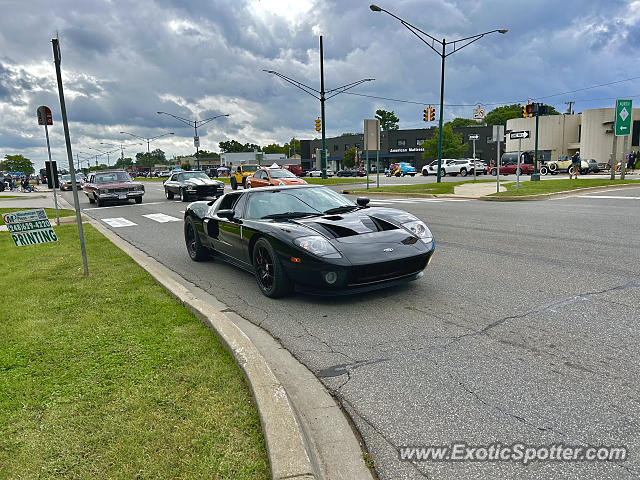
pixel 161 218
pixel 118 222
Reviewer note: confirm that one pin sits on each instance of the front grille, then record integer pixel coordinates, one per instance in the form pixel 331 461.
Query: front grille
pixel 120 190
pixel 207 190
pixel 378 272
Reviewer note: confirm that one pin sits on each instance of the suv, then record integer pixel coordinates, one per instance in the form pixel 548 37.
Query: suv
pixel 239 177
pixel 296 169
pixel 432 168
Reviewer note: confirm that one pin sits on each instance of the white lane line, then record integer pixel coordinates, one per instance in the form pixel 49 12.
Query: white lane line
pixel 608 196
pixel 161 218
pixel 125 205
pixel 118 222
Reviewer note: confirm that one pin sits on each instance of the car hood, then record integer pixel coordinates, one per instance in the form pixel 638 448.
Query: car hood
pixel 289 181
pixel 202 181
pixel 363 236
pixel 118 184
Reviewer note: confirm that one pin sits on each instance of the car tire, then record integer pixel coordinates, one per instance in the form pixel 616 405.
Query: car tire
pixel 234 183
pixel 139 200
pixel 99 202
pixel 270 275
pixel 552 167
pixel 91 200
pixel 425 173
pixel 443 173
pixel 183 195
pixel 494 172
pixel 168 194
pixel 197 252
pixel 244 182
pixel 413 174
pixel 544 170
pixel 463 172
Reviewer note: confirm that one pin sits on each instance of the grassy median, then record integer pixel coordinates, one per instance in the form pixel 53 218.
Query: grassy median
pixel 422 188
pixel 560 185
pixel 107 376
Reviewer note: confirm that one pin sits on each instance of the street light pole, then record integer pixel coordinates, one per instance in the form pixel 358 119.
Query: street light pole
pixel 323 154
pixel 443 55
pixel 148 140
pixel 194 124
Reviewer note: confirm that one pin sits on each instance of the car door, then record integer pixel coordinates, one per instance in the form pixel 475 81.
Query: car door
pixel 508 169
pixel 169 184
pixel 262 179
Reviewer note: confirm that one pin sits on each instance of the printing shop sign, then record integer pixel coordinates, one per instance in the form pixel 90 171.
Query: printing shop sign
pixel 29 227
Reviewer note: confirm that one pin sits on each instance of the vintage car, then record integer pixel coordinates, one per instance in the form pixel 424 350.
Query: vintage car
pixel 191 185
pixel 112 185
pixel 310 238
pixel 562 165
pixel 265 177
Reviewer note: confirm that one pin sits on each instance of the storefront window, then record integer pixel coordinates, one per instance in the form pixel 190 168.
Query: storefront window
pixel 419 142
pixel 401 142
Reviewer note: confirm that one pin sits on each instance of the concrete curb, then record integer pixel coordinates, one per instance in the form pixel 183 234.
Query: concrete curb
pixel 408 195
pixel 566 193
pixel 307 434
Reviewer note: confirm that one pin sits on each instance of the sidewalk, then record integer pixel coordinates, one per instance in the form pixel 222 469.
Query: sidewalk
pixel 42 198
pixel 477 190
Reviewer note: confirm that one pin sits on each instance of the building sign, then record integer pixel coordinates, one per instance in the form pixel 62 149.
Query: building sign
pixel 405 150
pixel 29 227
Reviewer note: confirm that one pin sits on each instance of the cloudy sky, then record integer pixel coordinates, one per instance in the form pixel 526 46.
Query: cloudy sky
pixel 124 60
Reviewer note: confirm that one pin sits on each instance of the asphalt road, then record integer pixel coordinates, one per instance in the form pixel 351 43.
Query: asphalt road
pixel 523 329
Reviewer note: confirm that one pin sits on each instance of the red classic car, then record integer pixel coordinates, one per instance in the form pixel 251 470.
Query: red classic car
pixel 510 169
pixel 112 185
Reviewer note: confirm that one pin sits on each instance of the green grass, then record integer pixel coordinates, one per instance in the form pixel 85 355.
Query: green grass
pixel 107 376
pixel 152 179
pixel 423 188
pixel 2 197
pixel 560 185
pixel 51 212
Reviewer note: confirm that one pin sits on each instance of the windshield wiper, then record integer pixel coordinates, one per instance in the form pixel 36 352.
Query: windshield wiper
pixel 341 209
pixel 290 215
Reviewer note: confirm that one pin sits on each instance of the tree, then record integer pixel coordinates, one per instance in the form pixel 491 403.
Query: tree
pixel 388 120
pixel 230 146
pixel 274 148
pixel 18 163
pixel 349 157
pixel 464 122
pixel 123 163
pixel 452 146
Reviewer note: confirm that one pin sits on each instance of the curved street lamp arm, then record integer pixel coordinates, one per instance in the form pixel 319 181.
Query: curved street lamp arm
pixel 158 136
pixel 344 88
pixel 413 29
pixel 183 120
pixel 295 83
pixel 137 136
pixel 471 39
pixel 204 122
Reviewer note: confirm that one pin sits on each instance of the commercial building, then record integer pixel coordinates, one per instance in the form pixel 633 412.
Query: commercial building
pixel 589 132
pixel 396 146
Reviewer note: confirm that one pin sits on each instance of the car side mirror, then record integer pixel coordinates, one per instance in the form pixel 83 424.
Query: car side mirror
pixel 362 201
pixel 227 213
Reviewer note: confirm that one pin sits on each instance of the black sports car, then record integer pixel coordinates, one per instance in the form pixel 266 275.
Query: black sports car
pixel 310 237
pixel 191 185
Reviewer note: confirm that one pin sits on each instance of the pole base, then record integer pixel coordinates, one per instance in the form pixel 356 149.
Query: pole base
pixel 535 177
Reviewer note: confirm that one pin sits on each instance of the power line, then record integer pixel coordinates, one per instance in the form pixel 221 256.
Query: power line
pixel 510 102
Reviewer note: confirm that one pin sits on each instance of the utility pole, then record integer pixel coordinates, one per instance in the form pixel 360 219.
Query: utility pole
pixel 570 110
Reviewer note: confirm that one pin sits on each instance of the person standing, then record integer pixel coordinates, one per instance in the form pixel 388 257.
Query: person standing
pixel 575 166
pixel 631 164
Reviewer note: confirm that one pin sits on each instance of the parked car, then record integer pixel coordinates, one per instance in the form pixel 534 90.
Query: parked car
pixel 512 169
pixel 479 166
pixel 432 168
pixel 401 169
pixel 296 169
pixel 191 185
pixel 265 177
pixel 66 184
pixel 311 238
pixel 241 173
pixel 318 173
pixel 463 167
pixel 563 164
pixel 112 185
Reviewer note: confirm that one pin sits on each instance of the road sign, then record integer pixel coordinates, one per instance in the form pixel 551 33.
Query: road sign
pixel 474 136
pixel 498 133
pixel 520 134
pixel 44 116
pixel 29 227
pixel 479 113
pixel 196 142
pixel 623 117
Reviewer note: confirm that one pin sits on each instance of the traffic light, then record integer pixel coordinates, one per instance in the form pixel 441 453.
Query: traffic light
pixel 426 114
pixel 524 111
pixel 318 124
pixel 530 109
pixel 432 114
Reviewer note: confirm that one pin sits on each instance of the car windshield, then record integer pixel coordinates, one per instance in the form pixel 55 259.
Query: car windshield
pixel 66 178
pixel 294 201
pixel 249 168
pixel 281 173
pixel 189 175
pixel 113 177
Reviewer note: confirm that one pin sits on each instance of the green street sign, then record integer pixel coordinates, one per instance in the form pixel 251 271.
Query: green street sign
pixel 623 117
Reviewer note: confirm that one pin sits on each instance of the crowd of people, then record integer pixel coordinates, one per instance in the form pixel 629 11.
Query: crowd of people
pixel 17 182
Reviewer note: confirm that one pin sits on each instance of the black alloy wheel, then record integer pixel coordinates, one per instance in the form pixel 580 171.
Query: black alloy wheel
pixel 270 275
pixel 197 252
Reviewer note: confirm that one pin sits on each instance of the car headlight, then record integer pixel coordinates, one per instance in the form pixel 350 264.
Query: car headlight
pixel 317 245
pixel 420 230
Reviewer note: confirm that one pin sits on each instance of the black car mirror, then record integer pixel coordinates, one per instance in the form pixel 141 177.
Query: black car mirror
pixel 362 201
pixel 227 213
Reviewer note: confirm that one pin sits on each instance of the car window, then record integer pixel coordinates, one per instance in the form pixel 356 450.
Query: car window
pixel 227 201
pixel 191 175
pixel 112 177
pixel 311 200
pixel 259 174
pixel 281 173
